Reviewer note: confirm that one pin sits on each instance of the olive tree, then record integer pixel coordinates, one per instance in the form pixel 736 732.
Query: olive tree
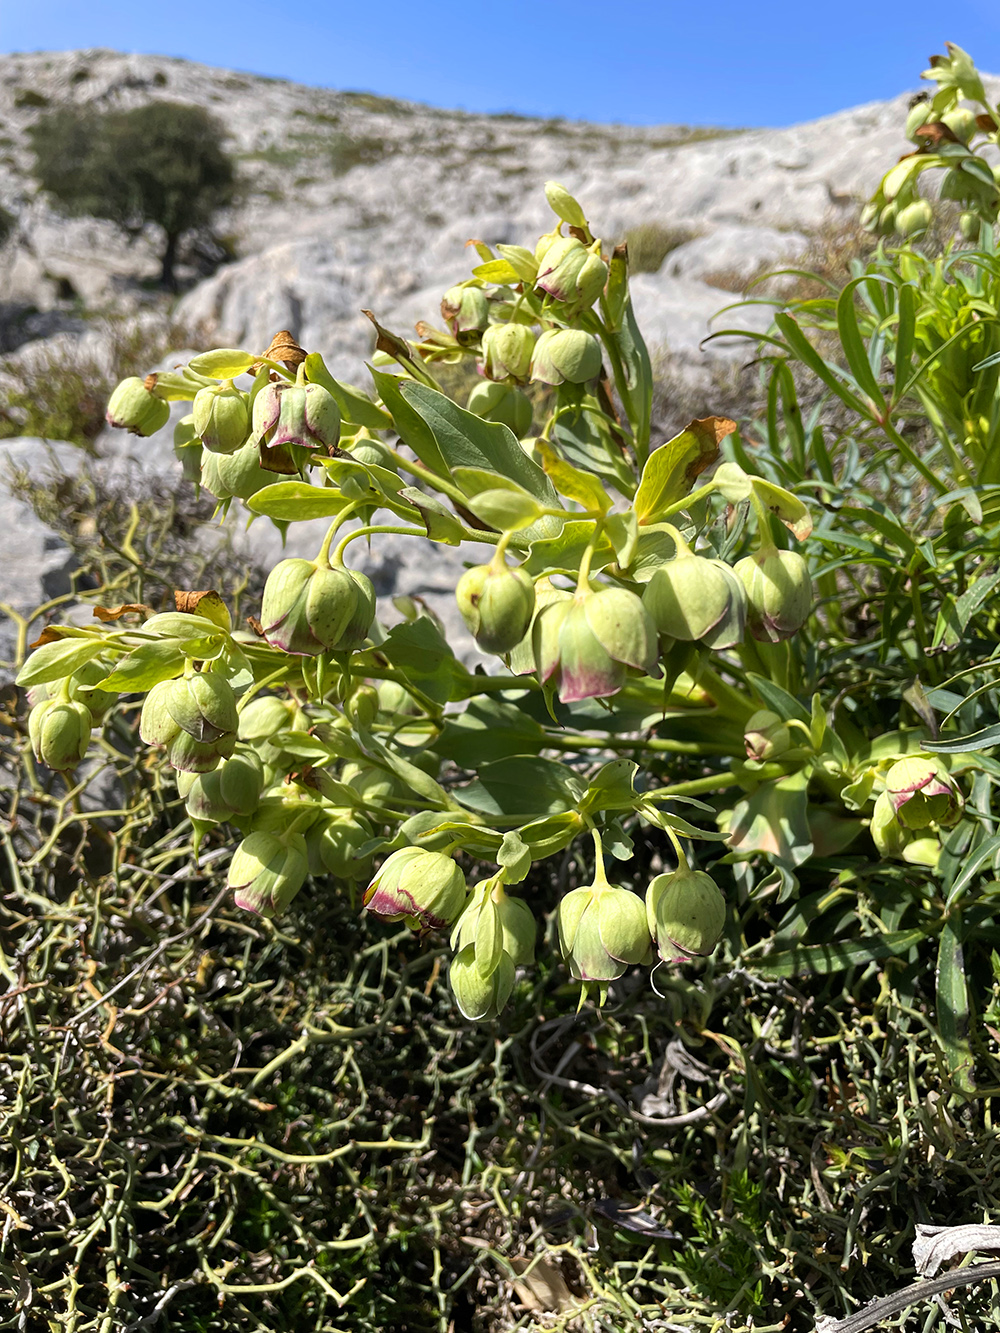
pixel 159 164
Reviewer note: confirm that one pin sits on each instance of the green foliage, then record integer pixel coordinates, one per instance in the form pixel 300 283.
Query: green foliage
pixel 161 163
pixel 764 653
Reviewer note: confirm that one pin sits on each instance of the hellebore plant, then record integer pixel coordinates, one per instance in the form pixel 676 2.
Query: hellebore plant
pixel 634 608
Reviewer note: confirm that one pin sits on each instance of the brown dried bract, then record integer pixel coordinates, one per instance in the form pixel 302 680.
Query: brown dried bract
pixel 256 626
pixel 107 614
pixel 285 349
pixel 190 601
pixel 935 132
pixel 149 383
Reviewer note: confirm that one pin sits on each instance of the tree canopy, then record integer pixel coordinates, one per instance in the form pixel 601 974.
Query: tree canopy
pixel 159 163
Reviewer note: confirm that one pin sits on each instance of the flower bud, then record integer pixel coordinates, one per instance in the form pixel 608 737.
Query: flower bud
pixel 59 731
pixel 188 449
pixel 496 603
pixel 427 889
pixel 887 832
pixel 922 792
pixel 134 408
pixel 194 717
pixel 81 689
pixel 507 350
pixel 221 417
pixel 573 272
pixel 588 643
pixel 309 609
pixel 563 355
pixel 918 116
pixel 239 473
pixel 504 403
pixel 962 123
pixel 267 871
pixel 337 845
pixel 261 719
pixel 766 735
pixel 294 416
pixel 779 593
pixel 466 311
pixel 481 998
pixel 362 706
pixel 915 218
pixel 970 225
pixel 522 658
pixel 685 913
pixel 691 597
pixel 564 205
pixel 374 785
pixel 494 935
pixel 602 931
pixel 232 789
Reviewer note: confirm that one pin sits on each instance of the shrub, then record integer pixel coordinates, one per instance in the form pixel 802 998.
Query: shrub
pixel 651 242
pixel 159 164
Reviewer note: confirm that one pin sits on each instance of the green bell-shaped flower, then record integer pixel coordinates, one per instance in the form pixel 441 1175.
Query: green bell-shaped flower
pixel 426 889
pixel 466 311
pixel 694 598
pixel 779 593
pixel 135 408
pixel 221 417
pixel 766 735
pixel 503 403
pixel 573 272
pixel 685 912
pixel 267 871
pixel 586 645
pixel 309 608
pixel 922 792
pixel 334 845
pixel 494 935
pixel 194 718
pixel 291 417
pixel 507 351
pixel 230 791
pixel 497 603
pixel 239 473
pixel 602 931
pixel 59 731
pixel 566 355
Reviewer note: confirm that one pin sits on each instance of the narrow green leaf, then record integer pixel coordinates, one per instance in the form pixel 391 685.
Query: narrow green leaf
pixel 778 700
pixel 953 1005
pixel 983 855
pixel 854 344
pixel 822 959
pixel 802 348
pixel 437 518
pixel 976 740
pixel 905 329
pixel 788 508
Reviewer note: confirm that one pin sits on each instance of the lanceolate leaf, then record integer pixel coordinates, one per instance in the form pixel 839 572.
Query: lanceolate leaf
pixel 822 959
pixel 464 440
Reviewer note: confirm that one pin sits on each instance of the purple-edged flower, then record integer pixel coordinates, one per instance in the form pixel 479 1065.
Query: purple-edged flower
pixel 588 643
pixel 287 417
pixel 426 889
pixel 685 912
pixel 602 931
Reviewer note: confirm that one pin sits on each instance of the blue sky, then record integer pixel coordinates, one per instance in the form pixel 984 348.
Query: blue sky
pixel 732 62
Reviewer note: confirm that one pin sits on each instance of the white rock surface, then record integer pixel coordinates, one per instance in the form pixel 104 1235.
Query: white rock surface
pixel 353 201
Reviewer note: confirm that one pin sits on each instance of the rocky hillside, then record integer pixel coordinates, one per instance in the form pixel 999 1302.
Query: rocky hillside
pixel 349 200
pixel 354 200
